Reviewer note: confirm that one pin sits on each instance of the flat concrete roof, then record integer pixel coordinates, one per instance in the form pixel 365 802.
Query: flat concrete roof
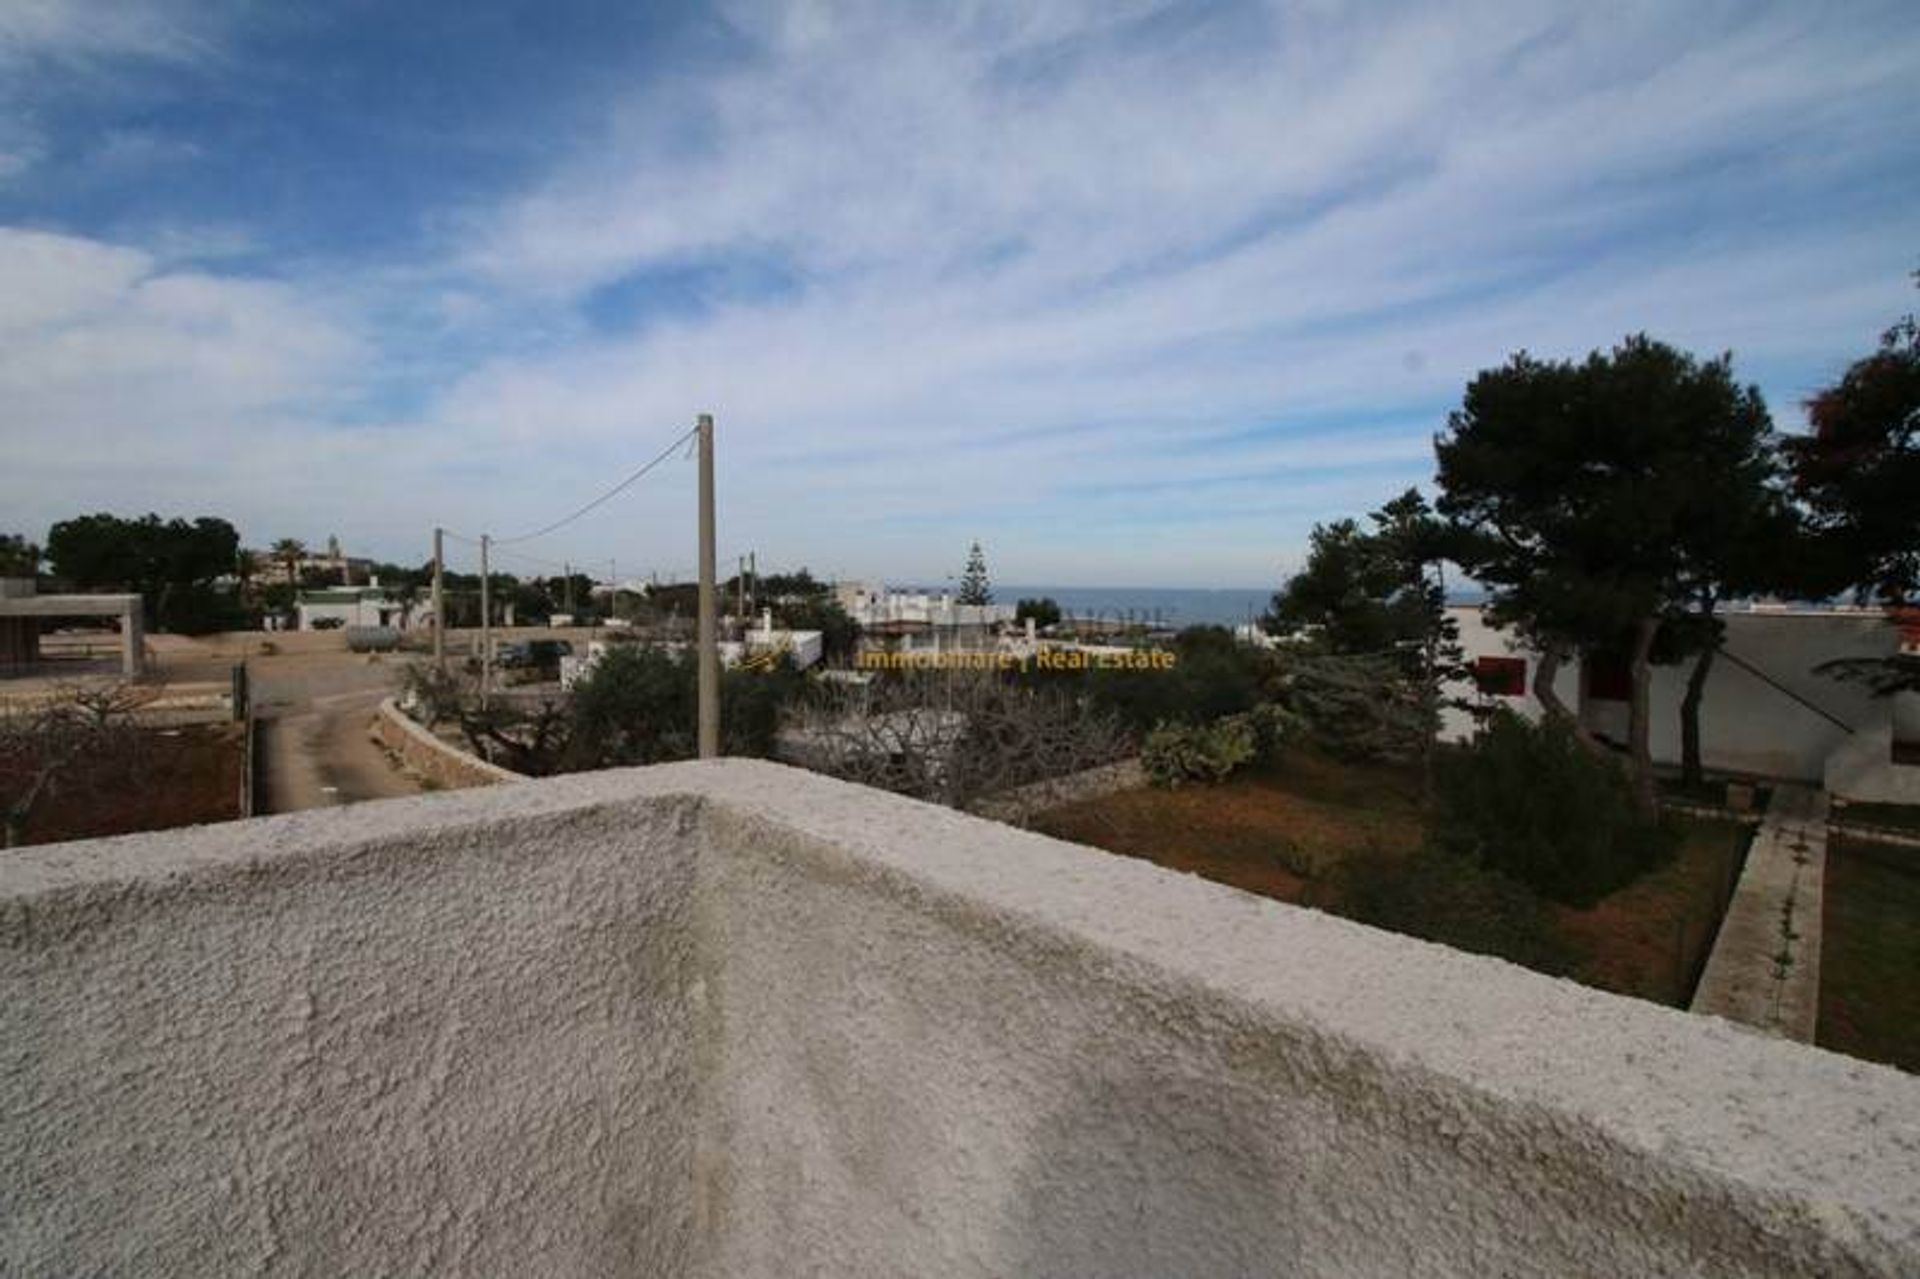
pixel 69 605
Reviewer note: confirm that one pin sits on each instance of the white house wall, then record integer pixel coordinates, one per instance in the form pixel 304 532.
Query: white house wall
pixel 1748 723
pixel 1784 721
pixel 1479 638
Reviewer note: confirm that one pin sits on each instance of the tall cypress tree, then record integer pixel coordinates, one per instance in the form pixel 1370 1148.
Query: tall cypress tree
pixel 974 588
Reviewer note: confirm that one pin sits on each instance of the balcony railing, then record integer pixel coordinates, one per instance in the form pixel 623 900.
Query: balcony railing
pixel 733 1019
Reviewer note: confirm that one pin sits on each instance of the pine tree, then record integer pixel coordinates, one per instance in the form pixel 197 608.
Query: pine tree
pixel 974 588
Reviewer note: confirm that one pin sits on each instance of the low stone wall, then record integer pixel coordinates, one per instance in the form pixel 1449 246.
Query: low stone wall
pixel 725 1018
pixel 1764 969
pixel 426 756
pixel 1020 805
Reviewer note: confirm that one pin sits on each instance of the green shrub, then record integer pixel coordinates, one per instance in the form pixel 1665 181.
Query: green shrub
pixel 1273 727
pixel 1530 802
pixel 1212 676
pixel 1445 898
pixel 1360 708
pixel 638 705
pixel 1177 753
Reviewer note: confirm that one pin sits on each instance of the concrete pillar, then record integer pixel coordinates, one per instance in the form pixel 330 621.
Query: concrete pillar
pixel 132 641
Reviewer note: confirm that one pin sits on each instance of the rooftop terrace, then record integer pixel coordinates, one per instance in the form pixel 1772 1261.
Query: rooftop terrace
pixel 732 1019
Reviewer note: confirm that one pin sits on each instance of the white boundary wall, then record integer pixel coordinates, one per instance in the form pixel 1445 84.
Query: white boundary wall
pixel 728 1018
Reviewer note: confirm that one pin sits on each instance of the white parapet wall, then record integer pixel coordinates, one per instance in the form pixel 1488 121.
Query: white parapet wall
pixel 732 1019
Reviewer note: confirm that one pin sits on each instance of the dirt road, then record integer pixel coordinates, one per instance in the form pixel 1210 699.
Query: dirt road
pixel 315 711
pixel 322 755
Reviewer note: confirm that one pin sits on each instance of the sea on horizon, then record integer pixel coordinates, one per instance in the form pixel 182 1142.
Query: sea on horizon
pixel 1169 606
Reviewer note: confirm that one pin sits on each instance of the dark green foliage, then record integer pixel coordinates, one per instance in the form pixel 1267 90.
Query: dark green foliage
pixel 638 706
pixel 1526 800
pixel 1859 470
pixel 974 588
pixel 775 587
pixel 1450 899
pixel 1174 754
pixel 1213 676
pixel 839 633
pixel 1360 708
pixel 1274 728
pixel 18 556
pixel 1044 611
pixel 1577 490
pixel 1593 499
pixel 1370 592
pixel 172 564
pixel 752 703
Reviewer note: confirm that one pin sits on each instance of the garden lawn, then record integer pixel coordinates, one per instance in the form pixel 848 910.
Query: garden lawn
pixel 1283 832
pixel 1870 953
pixel 1275 831
pixel 1650 939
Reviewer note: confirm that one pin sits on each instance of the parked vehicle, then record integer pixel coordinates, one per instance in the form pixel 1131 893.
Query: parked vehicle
pixel 538 654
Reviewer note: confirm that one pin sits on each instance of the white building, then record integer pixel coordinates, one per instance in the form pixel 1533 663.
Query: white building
pixel 915 621
pixel 1764 710
pixel 760 647
pixel 368 605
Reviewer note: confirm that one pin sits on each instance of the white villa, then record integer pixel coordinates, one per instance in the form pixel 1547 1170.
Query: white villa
pixel 1765 711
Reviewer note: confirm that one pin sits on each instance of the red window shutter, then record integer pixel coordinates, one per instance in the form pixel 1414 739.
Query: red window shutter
pixel 1501 676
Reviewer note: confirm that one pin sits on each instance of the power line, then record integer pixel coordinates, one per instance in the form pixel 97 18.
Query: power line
pixel 531 559
pixel 617 489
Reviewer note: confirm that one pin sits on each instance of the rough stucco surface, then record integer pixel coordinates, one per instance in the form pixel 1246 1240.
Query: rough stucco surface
pixel 732 1019
pixel 382 1040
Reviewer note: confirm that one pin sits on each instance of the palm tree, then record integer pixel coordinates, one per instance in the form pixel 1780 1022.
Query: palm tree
pixel 290 551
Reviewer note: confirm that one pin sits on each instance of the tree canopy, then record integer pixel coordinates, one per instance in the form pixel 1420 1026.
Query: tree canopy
pixel 1045 611
pixel 172 564
pixel 1595 499
pixel 18 556
pixel 1366 591
pixel 1859 469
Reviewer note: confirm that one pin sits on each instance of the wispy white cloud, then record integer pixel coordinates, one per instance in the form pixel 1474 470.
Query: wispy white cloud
pixel 1122 289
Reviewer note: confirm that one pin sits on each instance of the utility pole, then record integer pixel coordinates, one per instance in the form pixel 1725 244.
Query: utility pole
pixel 740 586
pixel 439 602
pixel 753 580
pixel 568 588
pixel 486 623
pixel 709 642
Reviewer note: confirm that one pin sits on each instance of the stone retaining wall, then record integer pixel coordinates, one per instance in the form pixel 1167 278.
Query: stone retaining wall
pixel 426 756
pixel 1023 803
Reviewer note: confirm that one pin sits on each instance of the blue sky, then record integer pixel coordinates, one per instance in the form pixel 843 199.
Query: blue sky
pixel 1132 293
